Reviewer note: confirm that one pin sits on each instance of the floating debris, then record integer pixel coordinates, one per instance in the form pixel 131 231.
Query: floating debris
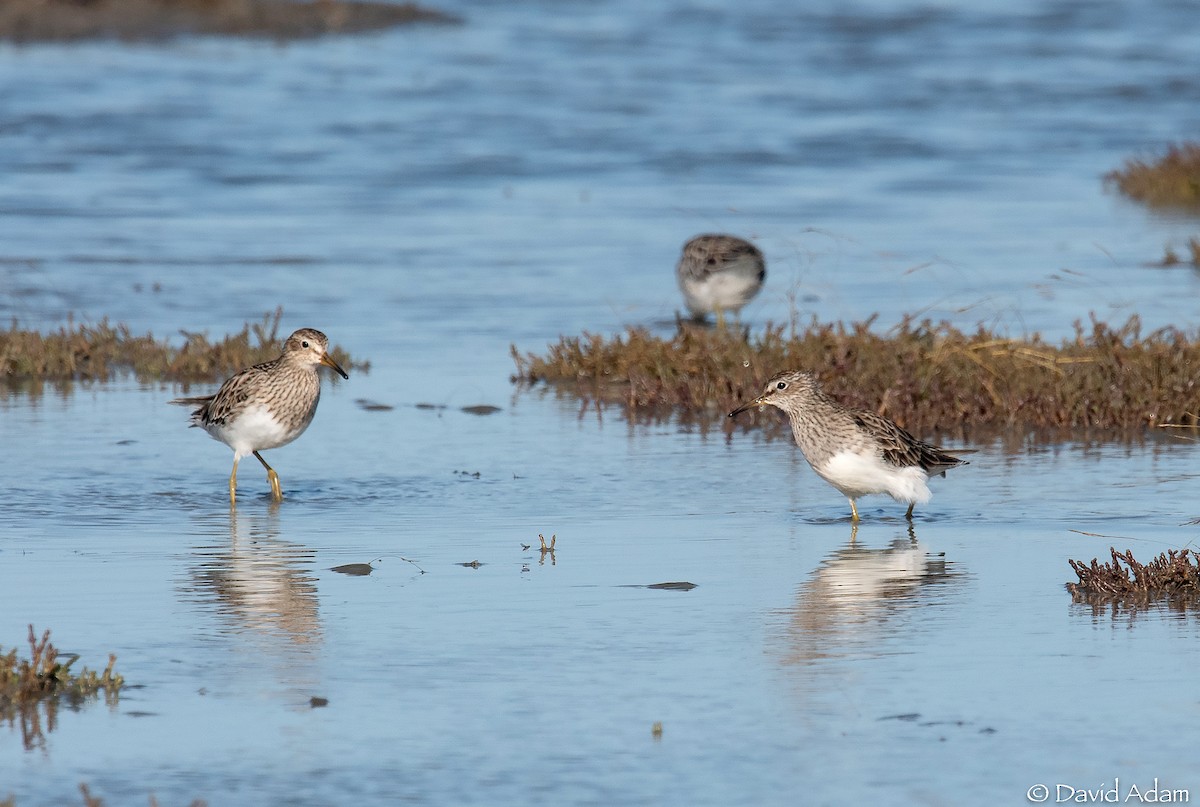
pixel 373 406
pixel 363 569
pixel 547 549
pixel 679 586
pixel 474 564
pixel 656 730
pixel 354 569
pixel 481 409
pixel 1171 258
pixel 317 702
pixel 95 801
pixel 1174 576
pixel 915 717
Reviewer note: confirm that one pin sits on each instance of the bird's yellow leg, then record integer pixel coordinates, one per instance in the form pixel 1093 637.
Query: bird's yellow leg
pixel 272 477
pixel 853 511
pixel 720 319
pixel 233 482
pixel 908 515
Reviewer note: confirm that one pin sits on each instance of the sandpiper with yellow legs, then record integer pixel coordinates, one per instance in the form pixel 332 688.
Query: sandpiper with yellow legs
pixel 857 452
pixel 268 405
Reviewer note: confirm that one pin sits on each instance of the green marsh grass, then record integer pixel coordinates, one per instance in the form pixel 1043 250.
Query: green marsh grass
pixel 932 378
pixel 33 688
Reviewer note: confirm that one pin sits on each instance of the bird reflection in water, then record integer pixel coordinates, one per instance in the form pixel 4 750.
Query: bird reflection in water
pixel 262 587
pixel 859 598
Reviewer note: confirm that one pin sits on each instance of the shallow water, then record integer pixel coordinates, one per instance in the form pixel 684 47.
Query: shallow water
pixel 430 196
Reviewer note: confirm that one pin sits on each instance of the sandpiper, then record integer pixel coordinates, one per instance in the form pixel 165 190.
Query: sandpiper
pixel 268 405
pixel 857 452
pixel 719 273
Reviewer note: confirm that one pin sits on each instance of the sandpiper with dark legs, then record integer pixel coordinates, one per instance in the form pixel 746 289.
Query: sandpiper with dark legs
pixel 857 452
pixel 268 405
pixel 719 273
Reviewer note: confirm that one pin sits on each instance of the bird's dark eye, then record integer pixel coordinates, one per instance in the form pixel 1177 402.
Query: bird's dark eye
pixel 781 385
pixel 304 343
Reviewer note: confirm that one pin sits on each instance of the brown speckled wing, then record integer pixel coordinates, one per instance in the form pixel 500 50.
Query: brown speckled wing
pixel 705 255
pixel 902 449
pixel 234 393
pixel 726 252
pixel 741 249
pixel 229 399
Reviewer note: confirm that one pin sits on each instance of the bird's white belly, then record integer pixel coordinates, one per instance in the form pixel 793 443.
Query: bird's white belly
pixel 857 475
pixel 254 429
pixel 718 291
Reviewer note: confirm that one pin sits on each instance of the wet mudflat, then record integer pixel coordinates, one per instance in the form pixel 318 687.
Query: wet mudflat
pixel 428 201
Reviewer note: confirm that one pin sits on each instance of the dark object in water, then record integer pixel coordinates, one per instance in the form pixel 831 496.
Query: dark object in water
pixel 481 409
pixel 354 569
pixel 373 406
pixel 316 701
pixel 153 20
pixel 1173 575
pixel 678 586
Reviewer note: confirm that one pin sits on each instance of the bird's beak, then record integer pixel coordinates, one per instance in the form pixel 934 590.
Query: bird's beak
pixel 756 402
pixel 328 361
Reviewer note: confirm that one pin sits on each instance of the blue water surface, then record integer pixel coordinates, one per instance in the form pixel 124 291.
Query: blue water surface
pixel 431 196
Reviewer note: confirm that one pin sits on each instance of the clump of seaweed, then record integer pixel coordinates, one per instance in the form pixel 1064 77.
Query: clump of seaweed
pixel 45 679
pixel 930 377
pixel 156 20
pixel 1171 180
pixel 1173 576
pixel 98 352
pixel 95 801
pixel 1171 257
